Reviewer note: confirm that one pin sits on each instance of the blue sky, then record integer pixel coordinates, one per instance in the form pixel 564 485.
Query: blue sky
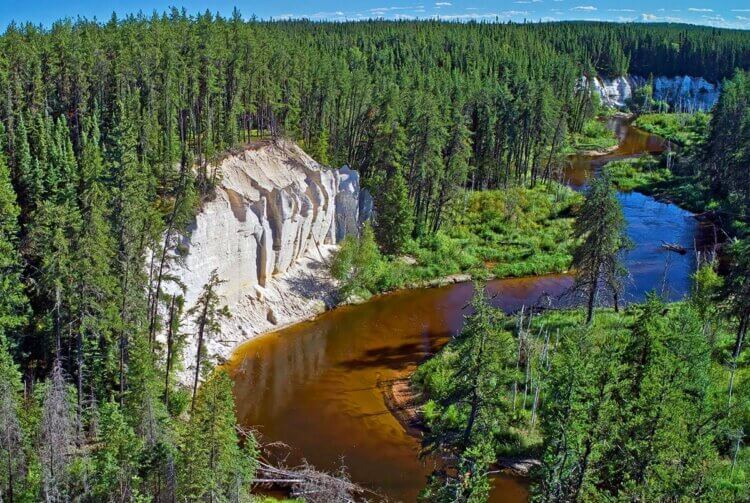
pixel 730 13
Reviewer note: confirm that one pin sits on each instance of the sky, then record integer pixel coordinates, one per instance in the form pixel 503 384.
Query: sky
pixel 729 13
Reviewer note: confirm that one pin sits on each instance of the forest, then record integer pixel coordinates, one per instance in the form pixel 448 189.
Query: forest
pixel 107 139
pixel 645 403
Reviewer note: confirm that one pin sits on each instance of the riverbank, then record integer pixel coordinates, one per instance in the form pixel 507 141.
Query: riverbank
pixel 594 139
pixel 513 232
pixel 647 176
pixel 405 402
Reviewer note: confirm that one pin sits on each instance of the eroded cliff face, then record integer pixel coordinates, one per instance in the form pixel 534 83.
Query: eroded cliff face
pixel 268 233
pixel 683 93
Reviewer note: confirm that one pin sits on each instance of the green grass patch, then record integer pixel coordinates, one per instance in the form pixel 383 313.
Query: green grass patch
pixel 680 128
pixel 516 232
pixel 513 232
pixel 649 176
pixel 595 135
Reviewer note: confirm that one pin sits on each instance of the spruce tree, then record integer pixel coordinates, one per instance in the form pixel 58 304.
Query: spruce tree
pixel 600 225
pixel 214 466
pixel 393 219
pixel 13 303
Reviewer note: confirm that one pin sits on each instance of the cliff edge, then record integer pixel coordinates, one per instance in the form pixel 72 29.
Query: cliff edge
pixel 276 217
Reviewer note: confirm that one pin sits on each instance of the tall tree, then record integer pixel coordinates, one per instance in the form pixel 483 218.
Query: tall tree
pixel 600 226
pixel 214 466
pixel 207 314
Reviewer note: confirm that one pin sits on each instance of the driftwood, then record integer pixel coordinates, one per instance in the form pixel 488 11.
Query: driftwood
pixel 674 247
pixel 304 481
pixel 311 485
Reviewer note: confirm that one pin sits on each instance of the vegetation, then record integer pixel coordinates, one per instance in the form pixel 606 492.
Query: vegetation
pixel 108 131
pixel 594 137
pixel 635 405
pixel 597 261
pixel 649 175
pixel 650 403
pixel 683 129
pixel 468 415
pixel 500 233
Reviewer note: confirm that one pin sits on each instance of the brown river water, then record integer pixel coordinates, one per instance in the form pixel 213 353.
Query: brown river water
pixel 314 385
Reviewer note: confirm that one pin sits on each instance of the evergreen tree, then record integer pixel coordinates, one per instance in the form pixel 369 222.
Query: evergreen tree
pixel 12 298
pixel 12 436
pixel 117 457
pixel 214 466
pixel 393 222
pixel 477 394
pixel 207 314
pixel 600 226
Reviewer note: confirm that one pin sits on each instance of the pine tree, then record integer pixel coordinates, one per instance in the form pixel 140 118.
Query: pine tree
pixel 393 222
pixel 12 436
pixel 600 226
pixel 207 317
pixel 117 457
pixel 213 465
pixel 13 303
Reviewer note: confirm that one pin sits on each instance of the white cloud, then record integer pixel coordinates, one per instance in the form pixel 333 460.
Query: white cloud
pixel 327 15
pixel 476 16
pixel 443 4
pixel 740 10
pixel 527 1
pixel 621 10
pixel 699 9
pixel 587 8
pixel 649 17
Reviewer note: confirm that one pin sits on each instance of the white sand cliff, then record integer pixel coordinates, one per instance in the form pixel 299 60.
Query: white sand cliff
pixel 684 93
pixel 268 232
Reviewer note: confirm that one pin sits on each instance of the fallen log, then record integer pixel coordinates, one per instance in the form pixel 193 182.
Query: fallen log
pixel 674 247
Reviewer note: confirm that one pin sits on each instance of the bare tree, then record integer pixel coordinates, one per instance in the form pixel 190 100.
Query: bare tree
pixel 56 437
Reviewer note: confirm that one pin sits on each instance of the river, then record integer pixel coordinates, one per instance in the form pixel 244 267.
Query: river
pixel 313 386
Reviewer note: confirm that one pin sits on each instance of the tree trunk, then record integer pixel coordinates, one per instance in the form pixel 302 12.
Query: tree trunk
pixel 591 302
pixel 201 330
pixel 170 336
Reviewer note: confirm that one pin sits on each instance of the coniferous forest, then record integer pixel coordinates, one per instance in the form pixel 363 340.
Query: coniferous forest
pixel 108 133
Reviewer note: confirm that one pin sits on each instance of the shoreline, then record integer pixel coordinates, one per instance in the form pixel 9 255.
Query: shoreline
pixel 405 403
pixel 440 282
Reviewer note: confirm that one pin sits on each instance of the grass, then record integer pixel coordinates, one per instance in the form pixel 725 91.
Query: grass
pixel 513 232
pixel 648 176
pixel 595 136
pixel 682 129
